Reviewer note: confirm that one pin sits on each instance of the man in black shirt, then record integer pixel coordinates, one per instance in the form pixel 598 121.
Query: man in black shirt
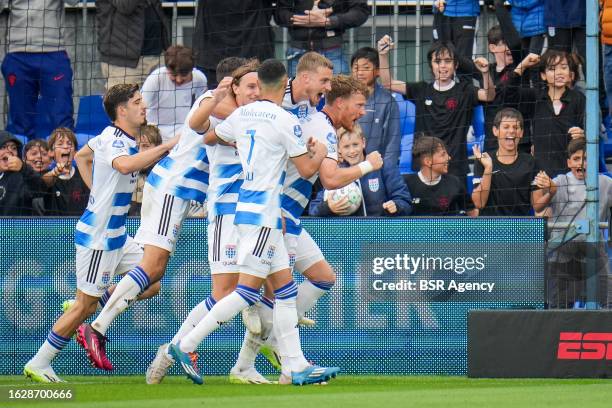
pixel 444 107
pixel 68 194
pixel 19 183
pixel 503 181
pixel 433 190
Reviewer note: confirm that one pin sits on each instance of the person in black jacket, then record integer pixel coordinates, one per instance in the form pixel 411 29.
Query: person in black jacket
pixel 318 26
pixel 132 35
pixel 19 183
pixel 383 193
pixel 231 28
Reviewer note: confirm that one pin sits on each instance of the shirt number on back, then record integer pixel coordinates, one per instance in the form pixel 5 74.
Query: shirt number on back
pixel 249 173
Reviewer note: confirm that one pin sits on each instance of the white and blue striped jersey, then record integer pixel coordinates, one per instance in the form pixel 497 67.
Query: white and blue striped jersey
pixel 226 177
pixel 102 225
pixel 297 190
pixel 266 136
pixel 301 109
pixel 183 173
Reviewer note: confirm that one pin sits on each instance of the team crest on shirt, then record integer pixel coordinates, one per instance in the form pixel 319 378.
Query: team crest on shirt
pixel 443 202
pixel 302 111
pixel 105 278
pixel 271 251
pixel 230 251
pixel 297 131
pixel 451 103
pixel 373 184
pixel 291 260
pixel 118 144
pixel 331 138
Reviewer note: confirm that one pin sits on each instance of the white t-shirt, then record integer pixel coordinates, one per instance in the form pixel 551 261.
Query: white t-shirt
pixel 169 104
pixel 184 172
pixel 297 190
pixel 102 225
pixel 266 136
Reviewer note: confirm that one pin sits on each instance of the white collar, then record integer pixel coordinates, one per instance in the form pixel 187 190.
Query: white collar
pixel 427 182
pixel 440 88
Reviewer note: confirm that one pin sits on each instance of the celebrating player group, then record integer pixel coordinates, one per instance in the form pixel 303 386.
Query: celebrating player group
pixel 251 150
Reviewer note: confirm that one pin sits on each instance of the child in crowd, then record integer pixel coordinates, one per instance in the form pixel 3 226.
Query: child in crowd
pixel 566 195
pixel 383 194
pixel 150 136
pixel 68 194
pixel 36 155
pixel 503 180
pixel 434 191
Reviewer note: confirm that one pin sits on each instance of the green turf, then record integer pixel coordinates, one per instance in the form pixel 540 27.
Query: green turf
pixel 347 391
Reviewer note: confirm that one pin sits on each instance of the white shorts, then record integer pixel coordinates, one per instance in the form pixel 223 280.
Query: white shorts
pixel 222 244
pixel 261 251
pixel 95 269
pixel 161 218
pixel 303 251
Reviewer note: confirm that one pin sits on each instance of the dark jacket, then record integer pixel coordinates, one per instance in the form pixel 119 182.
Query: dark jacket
pixel 18 189
pixel 346 14
pixel 232 28
pixel 565 13
pixel 121 30
pixel 376 188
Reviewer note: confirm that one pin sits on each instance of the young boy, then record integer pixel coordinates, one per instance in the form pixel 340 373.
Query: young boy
pixel 434 191
pixel 36 155
pixel 68 193
pixel 382 193
pixel 444 107
pixel 566 195
pixel 503 180
pixel 150 137
pixel 557 111
pixel 19 183
pixel 108 164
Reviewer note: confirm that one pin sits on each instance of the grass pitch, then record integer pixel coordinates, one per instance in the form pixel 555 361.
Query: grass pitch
pixel 345 391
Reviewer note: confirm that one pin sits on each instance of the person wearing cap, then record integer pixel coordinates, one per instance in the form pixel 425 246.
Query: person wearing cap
pixel 19 183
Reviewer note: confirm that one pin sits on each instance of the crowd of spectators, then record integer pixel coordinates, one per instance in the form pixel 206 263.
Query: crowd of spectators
pixel 528 86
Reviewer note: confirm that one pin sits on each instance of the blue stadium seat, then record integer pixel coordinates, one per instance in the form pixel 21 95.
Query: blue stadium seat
pixel 478 124
pixel 82 139
pixel 91 118
pixel 407 123
pixel 23 139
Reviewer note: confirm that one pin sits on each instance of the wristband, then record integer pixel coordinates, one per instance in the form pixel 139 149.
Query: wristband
pixel 366 167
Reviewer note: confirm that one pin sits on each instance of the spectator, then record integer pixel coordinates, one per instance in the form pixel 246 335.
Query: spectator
pixel 37 65
pixel 566 195
pixel 444 107
pixel 36 155
pixel 380 124
pixel 19 183
pixel 455 22
pixel 435 192
pixel 606 39
pixel 566 22
pixel 232 28
pixel 150 136
pixel 169 91
pixel 528 19
pixel 557 111
pixel 503 180
pixel 318 26
pixel 132 34
pixel 383 195
pixel 68 194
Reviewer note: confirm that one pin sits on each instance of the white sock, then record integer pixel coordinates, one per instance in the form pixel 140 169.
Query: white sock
pixel 127 290
pixel 287 333
pixel 252 343
pixel 225 310
pixel 248 352
pixel 49 349
pixel 193 318
pixel 309 293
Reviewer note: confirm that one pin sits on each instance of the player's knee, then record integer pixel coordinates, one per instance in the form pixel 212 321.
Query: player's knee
pixel 83 309
pixel 321 272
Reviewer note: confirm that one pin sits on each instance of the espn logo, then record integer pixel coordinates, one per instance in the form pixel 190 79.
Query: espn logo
pixel 584 346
